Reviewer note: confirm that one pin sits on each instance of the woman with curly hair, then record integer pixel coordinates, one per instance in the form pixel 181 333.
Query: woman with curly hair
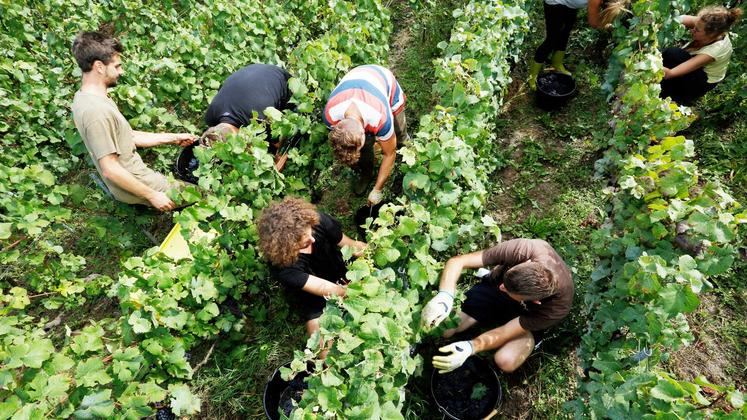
pixel 367 107
pixel 303 247
pixel 694 70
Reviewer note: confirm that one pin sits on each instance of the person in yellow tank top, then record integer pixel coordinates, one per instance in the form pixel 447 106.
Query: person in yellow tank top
pixel 694 70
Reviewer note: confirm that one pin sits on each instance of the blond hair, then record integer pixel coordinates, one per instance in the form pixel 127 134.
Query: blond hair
pixel 345 142
pixel 718 19
pixel 612 9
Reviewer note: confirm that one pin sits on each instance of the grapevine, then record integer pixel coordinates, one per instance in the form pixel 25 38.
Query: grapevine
pixel 127 365
pixel 667 232
pixel 375 326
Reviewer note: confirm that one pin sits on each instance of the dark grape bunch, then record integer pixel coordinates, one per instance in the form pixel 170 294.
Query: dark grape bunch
pixel 294 392
pixel 165 414
pixel 552 85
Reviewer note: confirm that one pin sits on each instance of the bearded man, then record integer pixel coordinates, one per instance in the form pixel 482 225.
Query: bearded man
pixel 111 142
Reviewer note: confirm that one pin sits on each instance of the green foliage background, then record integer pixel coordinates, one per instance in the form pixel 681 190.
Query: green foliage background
pixel 177 53
pixel 55 231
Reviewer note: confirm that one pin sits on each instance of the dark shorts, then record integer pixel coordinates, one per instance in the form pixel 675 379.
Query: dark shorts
pixel 308 306
pixel 688 88
pixel 493 308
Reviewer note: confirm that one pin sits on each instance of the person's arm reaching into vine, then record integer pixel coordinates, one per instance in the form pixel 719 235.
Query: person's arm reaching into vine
pixel 593 10
pixel 324 288
pixel 698 61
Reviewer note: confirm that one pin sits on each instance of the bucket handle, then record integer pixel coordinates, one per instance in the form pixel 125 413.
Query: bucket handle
pixel 491 415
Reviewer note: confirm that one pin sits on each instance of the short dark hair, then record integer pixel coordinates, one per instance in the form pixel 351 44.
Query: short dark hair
pixel 91 46
pixel 530 280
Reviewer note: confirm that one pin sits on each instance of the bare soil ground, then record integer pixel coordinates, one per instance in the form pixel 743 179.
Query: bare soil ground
pixel 718 350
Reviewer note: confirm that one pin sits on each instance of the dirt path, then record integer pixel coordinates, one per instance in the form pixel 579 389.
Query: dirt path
pixel 401 37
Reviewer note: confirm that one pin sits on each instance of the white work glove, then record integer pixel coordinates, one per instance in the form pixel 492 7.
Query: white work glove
pixel 437 309
pixel 374 197
pixel 460 351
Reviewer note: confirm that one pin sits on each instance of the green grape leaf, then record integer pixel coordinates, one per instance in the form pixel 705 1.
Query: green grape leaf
pixel 390 412
pixel 414 181
pixel 18 298
pixel 347 342
pixel 97 405
pixel 57 386
pixel 89 339
pixel 34 353
pixel 667 391
pixel 152 392
pixel 183 402
pixel 139 324
pixel 61 363
pixel 676 299
pixel 209 312
pixel 5 230
pixel 273 114
pixel 10 406
pixel 331 379
pixel 91 372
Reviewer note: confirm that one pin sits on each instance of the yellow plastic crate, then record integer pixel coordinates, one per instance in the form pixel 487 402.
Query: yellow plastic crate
pixel 176 247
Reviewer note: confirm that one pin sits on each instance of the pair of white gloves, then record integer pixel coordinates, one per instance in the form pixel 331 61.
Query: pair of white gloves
pixel 435 311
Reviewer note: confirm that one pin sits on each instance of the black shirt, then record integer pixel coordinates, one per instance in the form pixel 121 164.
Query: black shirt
pixel 325 260
pixel 249 89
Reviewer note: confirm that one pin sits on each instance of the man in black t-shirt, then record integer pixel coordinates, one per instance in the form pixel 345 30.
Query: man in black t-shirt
pixel 303 247
pixel 249 90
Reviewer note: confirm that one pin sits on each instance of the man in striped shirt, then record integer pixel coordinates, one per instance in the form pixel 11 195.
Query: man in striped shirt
pixel 367 106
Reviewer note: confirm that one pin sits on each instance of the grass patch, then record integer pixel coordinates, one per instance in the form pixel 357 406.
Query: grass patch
pixel 231 384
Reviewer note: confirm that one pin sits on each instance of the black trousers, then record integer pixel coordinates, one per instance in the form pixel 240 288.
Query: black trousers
pixel 559 21
pixel 687 88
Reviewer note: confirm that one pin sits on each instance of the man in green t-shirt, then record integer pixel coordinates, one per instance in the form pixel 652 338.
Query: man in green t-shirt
pixel 110 140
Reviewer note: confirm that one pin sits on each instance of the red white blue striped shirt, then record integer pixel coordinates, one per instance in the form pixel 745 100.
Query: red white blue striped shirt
pixel 375 92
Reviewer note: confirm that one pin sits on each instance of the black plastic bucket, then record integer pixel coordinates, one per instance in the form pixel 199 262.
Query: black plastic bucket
pixel 185 165
pixel 364 213
pixel 454 392
pixel 276 387
pixel 367 211
pixel 554 90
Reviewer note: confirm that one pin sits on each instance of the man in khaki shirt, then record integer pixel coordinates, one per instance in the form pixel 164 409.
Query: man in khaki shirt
pixel 110 140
